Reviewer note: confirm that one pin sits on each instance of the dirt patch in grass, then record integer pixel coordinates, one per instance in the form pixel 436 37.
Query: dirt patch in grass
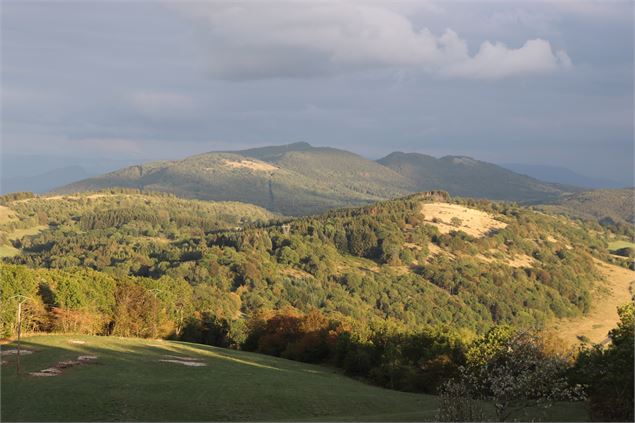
pixel 185 361
pixel 62 365
pixel 453 217
pixel 51 371
pixel 603 315
pixel 250 164
pixel 14 351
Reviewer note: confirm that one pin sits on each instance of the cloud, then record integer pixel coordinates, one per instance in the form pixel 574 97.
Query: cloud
pixel 253 40
pixel 158 104
pixel 498 61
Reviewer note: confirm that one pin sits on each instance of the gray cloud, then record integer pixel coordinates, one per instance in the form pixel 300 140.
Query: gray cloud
pixel 257 40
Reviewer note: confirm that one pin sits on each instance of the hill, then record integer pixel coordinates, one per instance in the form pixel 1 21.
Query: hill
pixel 422 260
pixel 467 177
pixel 299 179
pixel 145 218
pixel 295 179
pixel 127 379
pixel 613 208
pixel 393 292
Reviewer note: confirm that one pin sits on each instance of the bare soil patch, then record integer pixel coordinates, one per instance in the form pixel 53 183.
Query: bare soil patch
pixel 62 365
pixel 474 222
pixel 185 361
pixel 14 351
pixel 603 315
pixel 250 164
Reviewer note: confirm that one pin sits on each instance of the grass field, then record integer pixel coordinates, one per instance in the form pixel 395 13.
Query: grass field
pixel 8 251
pixel 616 245
pixel 20 233
pixel 128 382
pixel 603 315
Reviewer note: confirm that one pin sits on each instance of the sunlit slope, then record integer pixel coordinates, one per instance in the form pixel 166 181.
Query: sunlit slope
pixel 127 381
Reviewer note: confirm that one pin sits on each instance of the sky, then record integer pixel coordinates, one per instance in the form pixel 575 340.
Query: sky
pixel 541 82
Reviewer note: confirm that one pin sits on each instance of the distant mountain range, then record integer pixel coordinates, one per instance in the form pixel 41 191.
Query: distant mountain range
pixel 41 173
pixel 298 178
pixel 562 175
pixel 43 182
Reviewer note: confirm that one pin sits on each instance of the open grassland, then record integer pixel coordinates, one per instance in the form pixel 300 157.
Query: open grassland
pixel 153 380
pixel 8 251
pixel 615 290
pixel 20 233
pixel 454 217
pixel 128 381
pixel 617 244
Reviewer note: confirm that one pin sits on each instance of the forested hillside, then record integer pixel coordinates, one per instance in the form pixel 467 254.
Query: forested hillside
pixel 614 208
pixel 299 179
pixel 419 260
pixel 466 177
pixel 294 180
pixel 395 292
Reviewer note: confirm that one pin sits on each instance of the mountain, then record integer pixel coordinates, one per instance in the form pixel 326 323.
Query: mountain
pixel 43 182
pixel 560 175
pixel 299 179
pixel 467 177
pixel 292 179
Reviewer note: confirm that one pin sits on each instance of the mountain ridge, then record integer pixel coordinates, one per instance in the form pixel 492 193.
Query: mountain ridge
pixel 299 178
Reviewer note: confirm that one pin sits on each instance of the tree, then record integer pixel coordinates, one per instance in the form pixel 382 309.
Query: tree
pixel 608 372
pixel 513 371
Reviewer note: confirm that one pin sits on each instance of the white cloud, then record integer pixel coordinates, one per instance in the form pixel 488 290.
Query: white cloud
pixel 256 40
pixel 498 61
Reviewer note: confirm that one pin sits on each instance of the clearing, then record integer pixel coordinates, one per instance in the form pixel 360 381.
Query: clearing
pixel 616 245
pixel 7 215
pixel 21 233
pixel 250 164
pixel 603 315
pixel 129 380
pixel 473 222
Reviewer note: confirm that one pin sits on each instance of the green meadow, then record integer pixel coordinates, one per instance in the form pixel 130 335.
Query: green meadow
pixel 127 381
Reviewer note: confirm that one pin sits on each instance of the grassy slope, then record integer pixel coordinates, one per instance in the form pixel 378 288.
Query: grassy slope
pixel 617 244
pixel 615 290
pixel 129 383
